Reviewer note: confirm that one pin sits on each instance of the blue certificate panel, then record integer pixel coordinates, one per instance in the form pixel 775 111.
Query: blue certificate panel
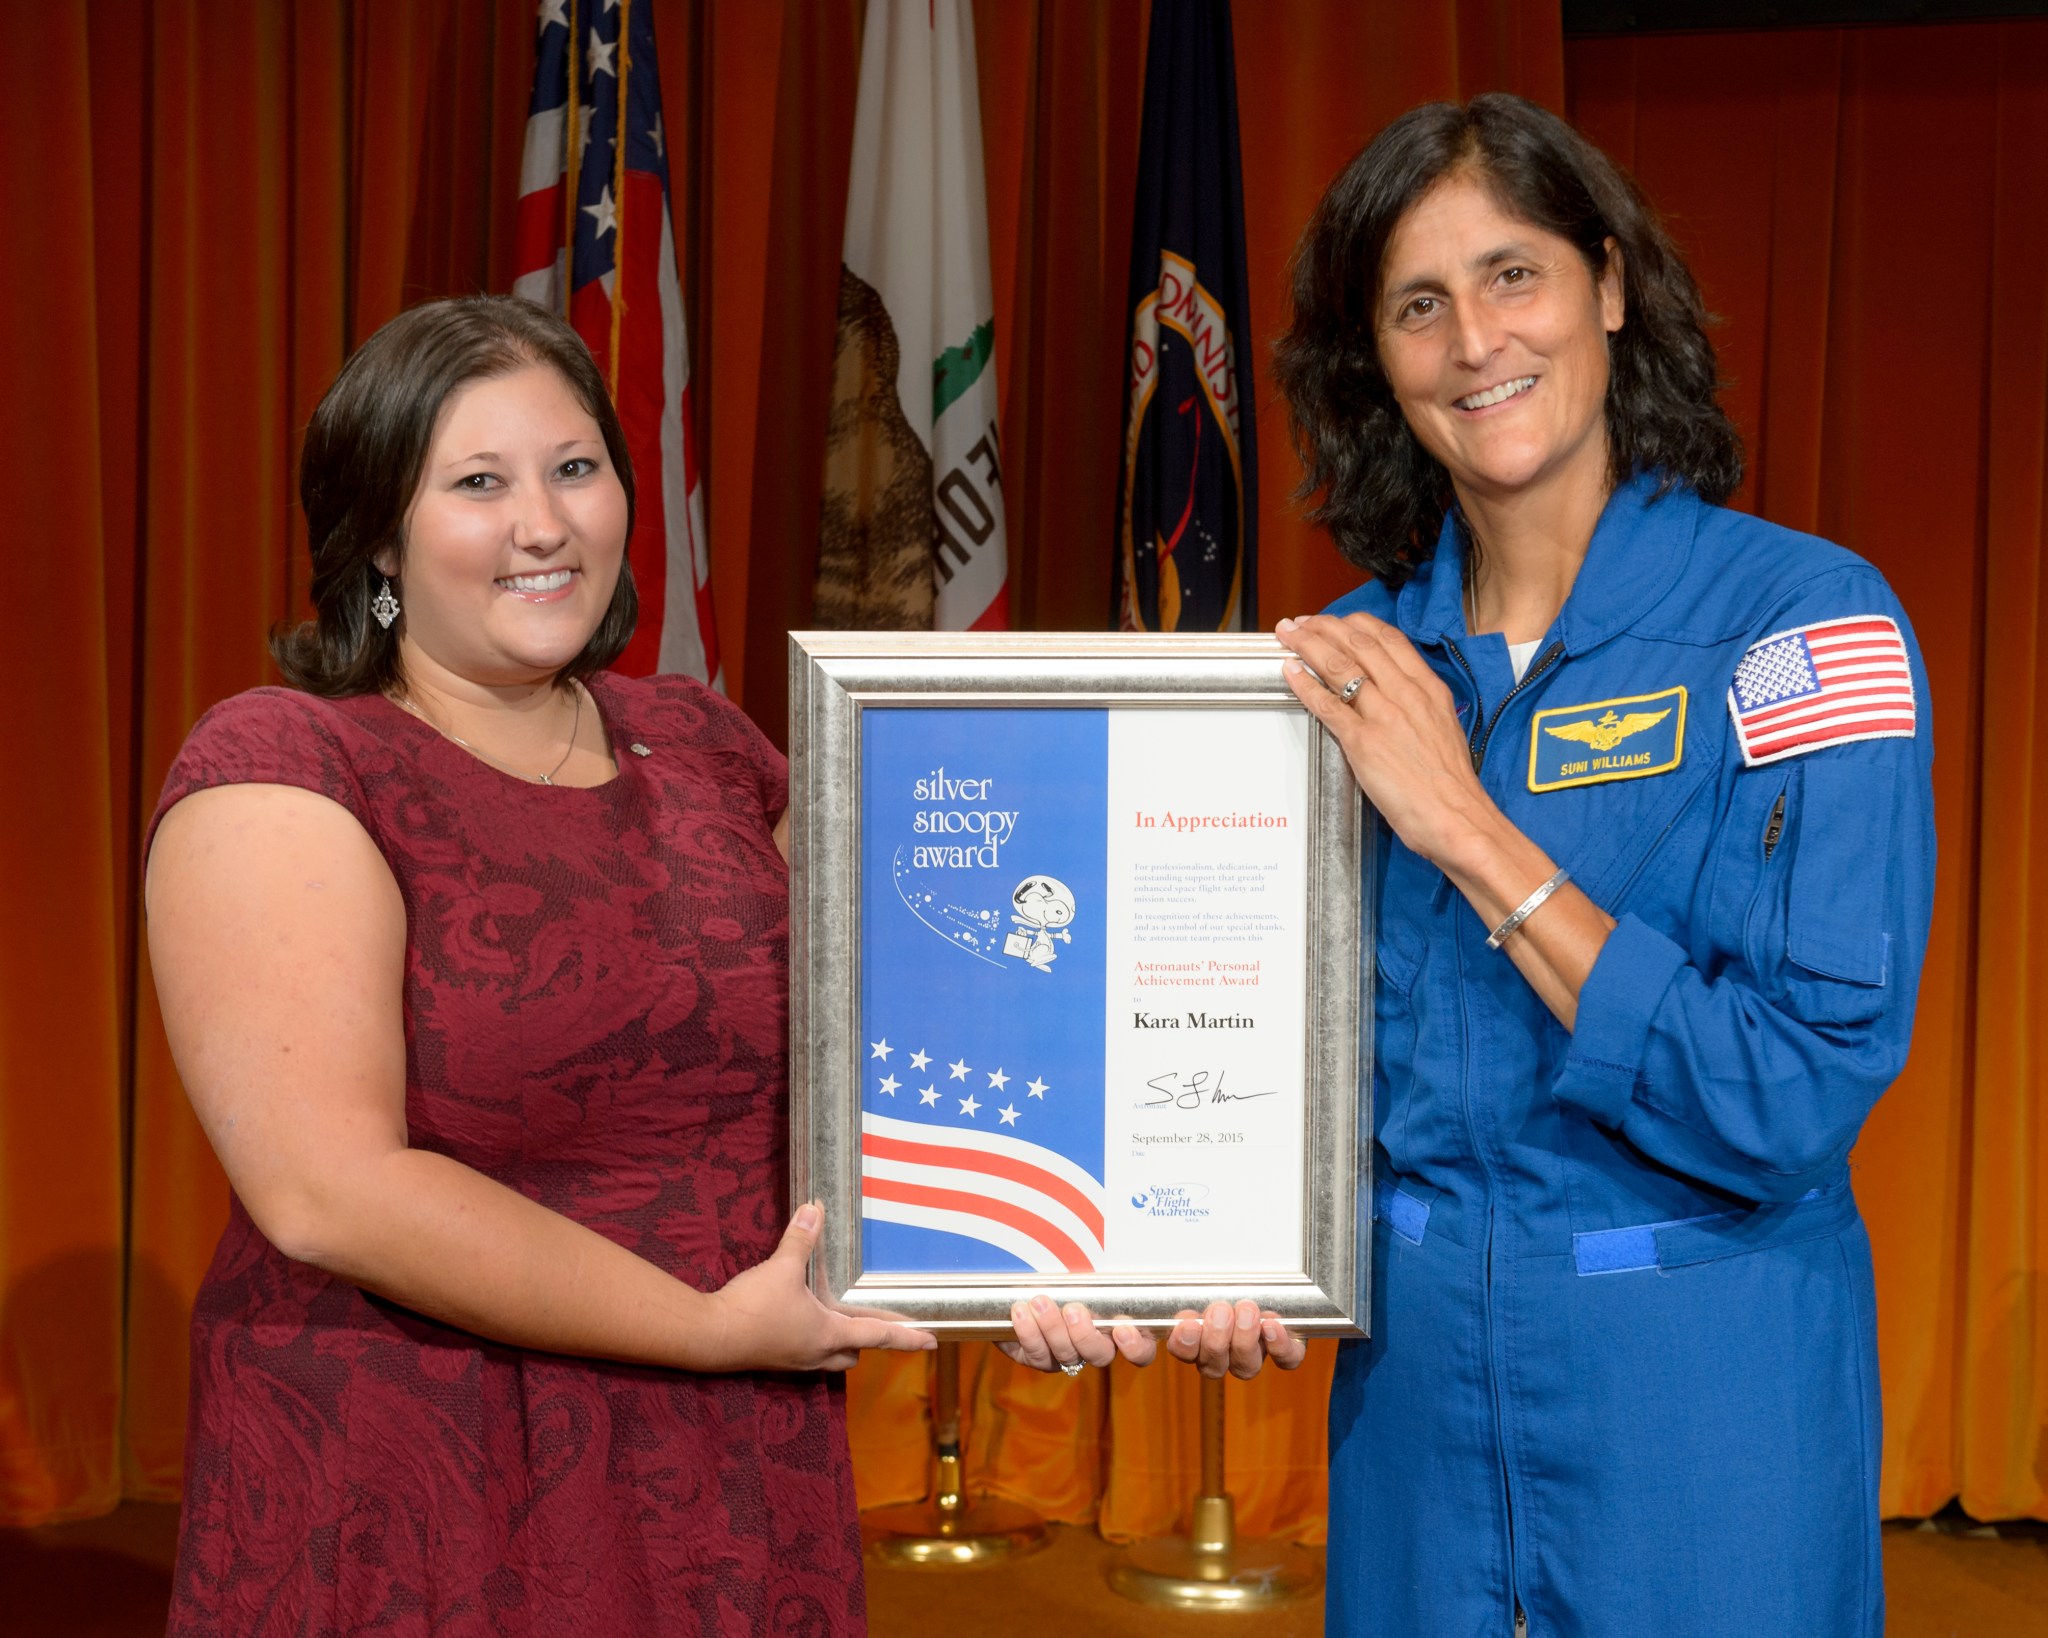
pixel 983 874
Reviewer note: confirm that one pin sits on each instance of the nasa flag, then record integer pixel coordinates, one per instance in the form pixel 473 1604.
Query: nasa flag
pixel 1186 557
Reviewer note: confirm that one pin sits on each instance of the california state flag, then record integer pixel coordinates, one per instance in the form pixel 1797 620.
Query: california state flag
pixel 913 533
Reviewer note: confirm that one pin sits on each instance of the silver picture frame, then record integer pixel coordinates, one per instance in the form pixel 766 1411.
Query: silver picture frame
pixel 837 676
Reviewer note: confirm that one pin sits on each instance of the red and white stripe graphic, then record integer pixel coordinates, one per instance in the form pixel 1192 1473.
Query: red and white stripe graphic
pixel 1020 1197
pixel 1825 684
pixel 595 68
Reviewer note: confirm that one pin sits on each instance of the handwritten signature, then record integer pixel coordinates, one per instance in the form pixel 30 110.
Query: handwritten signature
pixel 1191 1091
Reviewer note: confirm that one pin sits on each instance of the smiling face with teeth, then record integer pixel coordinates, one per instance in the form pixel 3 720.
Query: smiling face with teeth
pixel 1493 336
pixel 515 538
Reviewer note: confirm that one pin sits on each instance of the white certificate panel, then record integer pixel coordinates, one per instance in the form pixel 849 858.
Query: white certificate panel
pixel 1204 1073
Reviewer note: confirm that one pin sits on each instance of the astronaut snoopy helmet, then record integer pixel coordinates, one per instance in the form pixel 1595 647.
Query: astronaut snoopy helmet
pixel 1044 901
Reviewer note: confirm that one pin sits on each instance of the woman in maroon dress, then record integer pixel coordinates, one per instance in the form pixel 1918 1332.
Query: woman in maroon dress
pixel 472 957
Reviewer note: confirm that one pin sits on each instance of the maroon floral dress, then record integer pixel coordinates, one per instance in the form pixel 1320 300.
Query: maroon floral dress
pixel 595 1015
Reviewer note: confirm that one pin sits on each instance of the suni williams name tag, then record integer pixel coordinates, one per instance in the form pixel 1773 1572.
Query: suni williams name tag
pixel 1627 738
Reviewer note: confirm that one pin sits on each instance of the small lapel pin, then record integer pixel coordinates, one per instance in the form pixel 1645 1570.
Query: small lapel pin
pixel 638 749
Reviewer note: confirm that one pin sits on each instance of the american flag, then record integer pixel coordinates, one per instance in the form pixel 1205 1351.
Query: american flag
pixel 948 1157
pixel 1823 684
pixel 594 242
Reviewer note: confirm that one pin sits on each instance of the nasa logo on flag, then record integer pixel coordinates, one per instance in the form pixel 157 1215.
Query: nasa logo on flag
pixel 1184 491
pixel 1829 683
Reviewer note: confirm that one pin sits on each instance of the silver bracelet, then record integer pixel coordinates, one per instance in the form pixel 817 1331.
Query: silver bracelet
pixel 1527 908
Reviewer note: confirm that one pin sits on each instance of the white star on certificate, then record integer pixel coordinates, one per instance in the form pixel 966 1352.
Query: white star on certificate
pixel 605 211
pixel 1009 1114
pixel 889 1084
pixel 880 1049
pixel 920 1059
pixel 959 1069
pixel 928 1095
pixel 968 1105
pixel 998 1079
pixel 1035 1087
pixel 600 53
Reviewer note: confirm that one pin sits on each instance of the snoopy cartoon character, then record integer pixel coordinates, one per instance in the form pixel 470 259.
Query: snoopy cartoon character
pixel 1041 907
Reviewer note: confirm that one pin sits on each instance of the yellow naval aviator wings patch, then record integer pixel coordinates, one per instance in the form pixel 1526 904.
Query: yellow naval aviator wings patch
pixel 1627 738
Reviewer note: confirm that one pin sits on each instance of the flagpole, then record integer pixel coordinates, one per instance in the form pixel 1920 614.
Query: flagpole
pixel 1209 1568
pixel 572 165
pixel 619 198
pixel 949 1530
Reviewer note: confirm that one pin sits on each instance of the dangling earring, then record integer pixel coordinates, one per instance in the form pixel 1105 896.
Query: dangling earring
pixel 384 606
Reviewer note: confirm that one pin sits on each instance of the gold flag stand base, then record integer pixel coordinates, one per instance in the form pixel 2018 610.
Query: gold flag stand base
pixel 950 1530
pixel 1210 1569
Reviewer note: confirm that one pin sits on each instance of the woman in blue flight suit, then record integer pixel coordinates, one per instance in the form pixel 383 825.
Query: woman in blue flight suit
pixel 1653 888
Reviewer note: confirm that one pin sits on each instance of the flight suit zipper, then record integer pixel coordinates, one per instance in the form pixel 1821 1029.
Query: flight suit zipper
pixel 1481 735
pixel 1507 1492
pixel 1774 827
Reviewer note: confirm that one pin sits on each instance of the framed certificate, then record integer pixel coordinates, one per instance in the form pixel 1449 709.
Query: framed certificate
pixel 1078 1003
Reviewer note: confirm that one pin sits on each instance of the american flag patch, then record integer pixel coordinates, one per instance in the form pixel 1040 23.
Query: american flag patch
pixel 1824 684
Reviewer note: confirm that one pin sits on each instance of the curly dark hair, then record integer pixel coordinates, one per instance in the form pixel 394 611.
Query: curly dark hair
pixel 1381 494
pixel 366 449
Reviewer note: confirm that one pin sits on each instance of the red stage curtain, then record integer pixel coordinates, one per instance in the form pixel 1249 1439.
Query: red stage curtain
pixel 62 897
pixel 228 196
pixel 1868 211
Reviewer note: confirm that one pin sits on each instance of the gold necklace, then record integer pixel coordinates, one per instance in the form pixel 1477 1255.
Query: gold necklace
pixel 450 735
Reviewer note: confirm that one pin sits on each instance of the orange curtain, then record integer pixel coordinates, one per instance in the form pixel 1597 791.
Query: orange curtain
pixel 62 898
pixel 229 196
pixel 1868 211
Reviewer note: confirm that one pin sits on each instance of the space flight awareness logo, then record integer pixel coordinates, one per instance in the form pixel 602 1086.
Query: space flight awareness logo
pixel 1182 1202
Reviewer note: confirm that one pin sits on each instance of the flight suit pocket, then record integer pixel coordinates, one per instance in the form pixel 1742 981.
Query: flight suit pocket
pixel 1406 885
pixel 1398 951
pixel 1836 951
pixel 1686 1242
pixel 1825 1210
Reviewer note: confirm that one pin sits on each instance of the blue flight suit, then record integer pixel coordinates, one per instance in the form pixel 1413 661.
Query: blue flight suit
pixel 1623 1365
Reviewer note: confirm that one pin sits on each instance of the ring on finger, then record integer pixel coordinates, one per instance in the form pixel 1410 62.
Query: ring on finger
pixel 1073 1367
pixel 1349 691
